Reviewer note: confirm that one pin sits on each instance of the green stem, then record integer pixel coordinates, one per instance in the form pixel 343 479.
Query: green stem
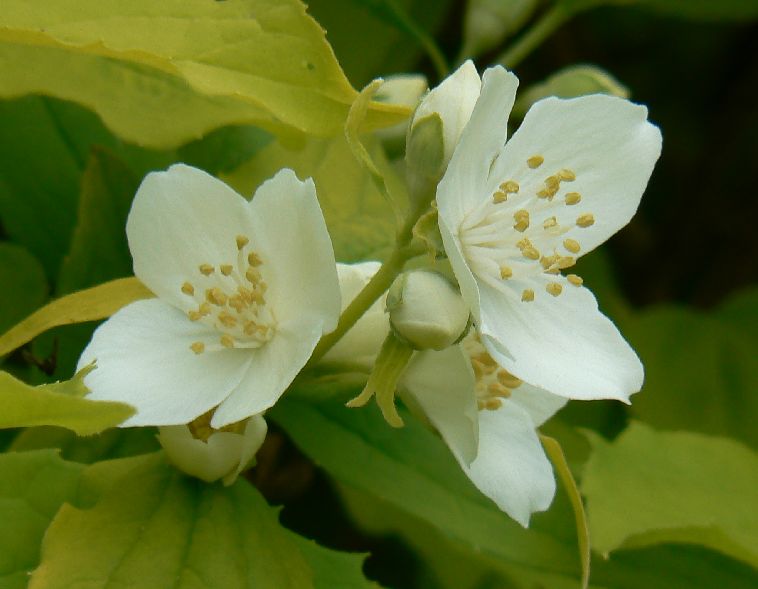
pixel 377 286
pixel 529 41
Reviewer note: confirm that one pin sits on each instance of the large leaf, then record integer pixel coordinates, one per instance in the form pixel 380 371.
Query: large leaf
pixel 158 528
pixel 360 220
pixel 701 370
pixel 33 486
pixel 24 281
pixel 208 64
pixel 332 569
pixel 651 487
pixel 413 470
pixel 90 304
pixel 59 404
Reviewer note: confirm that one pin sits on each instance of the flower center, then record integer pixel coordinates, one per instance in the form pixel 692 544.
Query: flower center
pixel 516 239
pixel 231 299
pixel 493 383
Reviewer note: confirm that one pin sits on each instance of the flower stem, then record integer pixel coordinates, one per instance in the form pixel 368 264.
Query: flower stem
pixel 403 251
pixel 529 41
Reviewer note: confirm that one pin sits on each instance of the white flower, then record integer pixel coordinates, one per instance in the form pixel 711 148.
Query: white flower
pixel 484 414
pixel 514 215
pixel 245 291
pixel 488 418
pixel 219 454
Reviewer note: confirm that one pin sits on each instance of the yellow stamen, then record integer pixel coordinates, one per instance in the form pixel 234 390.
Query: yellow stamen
pixel 508 380
pixel 206 269
pixel 242 241
pixel 188 289
pixel 571 245
pixel 226 269
pixel 554 288
pixel 227 341
pixel 550 222
pixel 585 220
pixel 567 175
pixel 528 295
pixel 499 197
pixel 505 272
pixel 198 347
pixel 573 198
pixel 227 320
pixel 509 186
pixel 575 280
pixel 530 253
pixel 521 219
pixel 535 161
pixel 253 259
pixel 216 296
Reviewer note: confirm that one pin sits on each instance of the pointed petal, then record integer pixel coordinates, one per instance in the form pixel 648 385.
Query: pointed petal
pixel 442 383
pixel 466 281
pixel 605 141
pixel 538 404
pixel 562 344
pixel 272 369
pixel 464 184
pixel 291 233
pixel 144 358
pixel 453 100
pixel 180 219
pixel 511 467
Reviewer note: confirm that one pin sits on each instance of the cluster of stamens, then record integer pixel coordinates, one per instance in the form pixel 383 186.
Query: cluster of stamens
pixel 494 384
pixel 505 234
pixel 233 301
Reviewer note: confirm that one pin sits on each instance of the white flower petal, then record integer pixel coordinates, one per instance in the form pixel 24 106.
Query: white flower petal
pixel 442 383
pixel 511 467
pixel 453 100
pixel 561 344
pixel 539 404
pixel 272 369
pixel 466 281
pixel 252 439
pixel 290 230
pixel 362 343
pixel 605 141
pixel 180 219
pixel 464 184
pixel 208 461
pixel 144 359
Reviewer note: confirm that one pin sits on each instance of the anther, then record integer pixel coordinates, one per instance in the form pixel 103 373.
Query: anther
pixel 250 327
pixel 198 347
pixel 521 219
pixel 506 379
pixel 585 220
pixel 571 245
pixel 227 341
pixel 242 241
pixel 527 295
pixel 575 280
pixel 253 259
pixel 227 320
pixel 490 404
pixel 548 261
pixel 505 272
pixel 567 175
pixel 550 222
pixel 188 289
pixel 216 296
pixel 499 197
pixel 566 262
pixel 509 186
pixel 573 198
pixel 206 269
pixel 194 315
pixel 253 275
pixel 204 309
pixel 553 182
pixel 535 161
pixel 226 269
pixel 554 288
pixel 497 390
pixel 531 253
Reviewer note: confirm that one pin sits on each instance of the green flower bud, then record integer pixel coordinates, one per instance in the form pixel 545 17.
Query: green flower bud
pixel 404 89
pixel 209 454
pixel 426 310
pixel 487 23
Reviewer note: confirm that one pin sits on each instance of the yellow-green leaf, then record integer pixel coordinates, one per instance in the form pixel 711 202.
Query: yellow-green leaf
pixel 208 64
pixel 91 304
pixel 649 487
pixel 60 404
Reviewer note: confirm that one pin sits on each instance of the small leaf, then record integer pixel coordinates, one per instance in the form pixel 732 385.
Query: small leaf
pixel 650 487
pixel 58 404
pixel 91 304
pixel 208 64
pixel 157 528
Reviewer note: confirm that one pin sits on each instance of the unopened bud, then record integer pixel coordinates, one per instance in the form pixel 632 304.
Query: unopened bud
pixel 214 454
pixel 426 310
pixel 403 89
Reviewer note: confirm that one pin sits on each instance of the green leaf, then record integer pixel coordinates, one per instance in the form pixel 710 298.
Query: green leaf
pixel 650 487
pixel 99 250
pixel 33 485
pixel 412 469
pixel 157 528
pixel 224 149
pixel 701 370
pixel 708 10
pixel 59 404
pixel 25 284
pixel 360 220
pixel 90 304
pixel 333 569
pixel 208 64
